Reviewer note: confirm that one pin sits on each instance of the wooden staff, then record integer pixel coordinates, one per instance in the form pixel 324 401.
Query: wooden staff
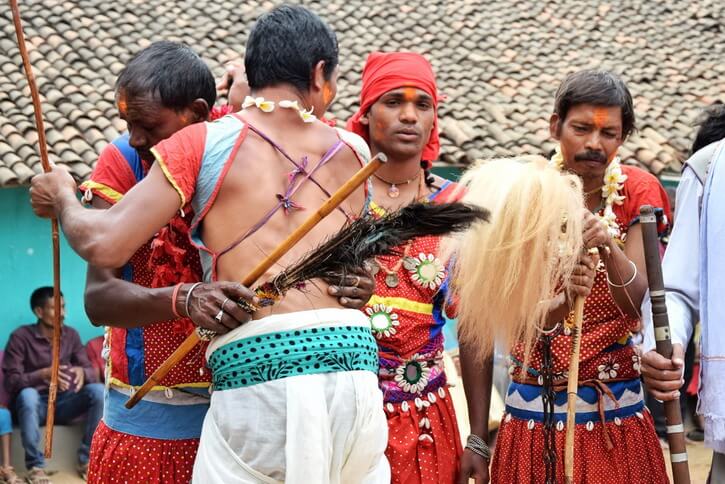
pixel 673 417
pixel 43 148
pixel 572 388
pixel 330 204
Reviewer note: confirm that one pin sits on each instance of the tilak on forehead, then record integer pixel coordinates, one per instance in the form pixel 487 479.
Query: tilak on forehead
pixel 387 71
pixel 601 116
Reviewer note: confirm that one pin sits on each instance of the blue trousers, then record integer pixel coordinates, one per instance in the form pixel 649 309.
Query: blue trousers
pixel 31 410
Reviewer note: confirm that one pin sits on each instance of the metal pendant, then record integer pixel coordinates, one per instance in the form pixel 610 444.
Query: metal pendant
pixel 374 268
pixel 409 263
pixel 391 280
pixel 393 191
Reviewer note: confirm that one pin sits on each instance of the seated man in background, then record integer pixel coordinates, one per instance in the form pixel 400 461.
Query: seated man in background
pixel 27 368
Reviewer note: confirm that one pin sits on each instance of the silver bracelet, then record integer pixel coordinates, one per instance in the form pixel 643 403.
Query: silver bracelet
pixel 630 281
pixel 478 446
pixel 186 302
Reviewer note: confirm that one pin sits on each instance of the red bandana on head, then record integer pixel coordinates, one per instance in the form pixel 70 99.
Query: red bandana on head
pixel 384 72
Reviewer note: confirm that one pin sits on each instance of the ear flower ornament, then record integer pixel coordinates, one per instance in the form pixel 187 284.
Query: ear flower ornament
pixel 259 102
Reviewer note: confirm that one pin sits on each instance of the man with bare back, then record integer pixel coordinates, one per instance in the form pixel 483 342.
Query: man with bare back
pixel 296 396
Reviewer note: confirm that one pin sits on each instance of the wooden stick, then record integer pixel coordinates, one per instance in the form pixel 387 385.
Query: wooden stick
pixel 572 388
pixel 673 417
pixel 330 204
pixel 43 148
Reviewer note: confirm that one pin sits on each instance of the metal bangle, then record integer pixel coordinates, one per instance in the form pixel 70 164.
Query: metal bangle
pixel 630 281
pixel 188 296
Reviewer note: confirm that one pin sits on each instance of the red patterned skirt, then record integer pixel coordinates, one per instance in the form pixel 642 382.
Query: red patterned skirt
pixel 122 458
pixel 634 456
pixel 424 445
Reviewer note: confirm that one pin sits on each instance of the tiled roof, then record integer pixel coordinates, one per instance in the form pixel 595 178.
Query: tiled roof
pixel 499 62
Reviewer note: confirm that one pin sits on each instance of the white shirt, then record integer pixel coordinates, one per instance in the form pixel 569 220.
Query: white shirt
pixel 680 267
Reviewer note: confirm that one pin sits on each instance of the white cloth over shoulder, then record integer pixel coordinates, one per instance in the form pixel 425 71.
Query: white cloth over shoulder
pixel 712 304
pixel 317 428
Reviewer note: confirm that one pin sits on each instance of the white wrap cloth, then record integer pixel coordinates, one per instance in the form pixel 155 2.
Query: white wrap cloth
pixel 313 428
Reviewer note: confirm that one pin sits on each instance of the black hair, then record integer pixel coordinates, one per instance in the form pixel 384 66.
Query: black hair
pixel 427 175
pixel 284 47
pixel 171 72
pixel 600 88
pixel 712 126
pixel 41 296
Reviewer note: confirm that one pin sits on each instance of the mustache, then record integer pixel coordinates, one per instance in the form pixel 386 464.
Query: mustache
pixel 591 156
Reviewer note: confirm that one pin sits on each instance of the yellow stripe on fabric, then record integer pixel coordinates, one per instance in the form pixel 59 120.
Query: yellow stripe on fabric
pixel 169 176
pixel 402 303
pixel 623 340
pixel 377 209
pixel 119 383
pixel 101 188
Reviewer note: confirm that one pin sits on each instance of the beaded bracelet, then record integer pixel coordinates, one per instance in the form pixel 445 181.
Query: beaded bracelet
pixel 476 444
pixel 173 300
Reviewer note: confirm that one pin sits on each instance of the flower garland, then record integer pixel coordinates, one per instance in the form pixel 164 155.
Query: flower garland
pixel 268 106
pixel 613 184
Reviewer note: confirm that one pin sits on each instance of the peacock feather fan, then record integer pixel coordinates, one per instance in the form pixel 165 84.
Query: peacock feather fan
pixel 368 237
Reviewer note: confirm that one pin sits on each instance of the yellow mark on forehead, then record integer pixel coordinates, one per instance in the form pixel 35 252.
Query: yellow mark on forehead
pixel 601 117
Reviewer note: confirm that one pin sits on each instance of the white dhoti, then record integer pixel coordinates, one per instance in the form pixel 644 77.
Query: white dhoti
pixel 299 403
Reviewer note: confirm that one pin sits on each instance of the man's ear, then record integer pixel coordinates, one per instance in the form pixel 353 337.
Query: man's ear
pixel 318 77
pixel 555 126
pixel 199 110
pixel 364 120
pixel 38 312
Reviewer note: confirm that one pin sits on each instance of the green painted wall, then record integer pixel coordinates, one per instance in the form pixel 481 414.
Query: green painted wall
pixel 26 263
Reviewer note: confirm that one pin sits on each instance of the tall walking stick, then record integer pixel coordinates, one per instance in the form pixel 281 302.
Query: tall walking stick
pixel 330 204
pixel 572 388
pixel 43 148
pixel 673 417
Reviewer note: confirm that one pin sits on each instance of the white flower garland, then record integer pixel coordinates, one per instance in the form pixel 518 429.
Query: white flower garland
pixel 613 184
pixel 268 106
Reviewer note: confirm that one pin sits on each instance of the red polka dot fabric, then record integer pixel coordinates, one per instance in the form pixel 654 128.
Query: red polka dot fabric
pixel 636 457
pixel 608 356
pixel 126 459
pixel 424 444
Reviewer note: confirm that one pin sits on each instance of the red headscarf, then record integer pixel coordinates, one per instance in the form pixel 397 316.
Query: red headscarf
pixel 384 72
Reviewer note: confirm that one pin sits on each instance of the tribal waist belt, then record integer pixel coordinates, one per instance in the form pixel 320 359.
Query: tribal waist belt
pixel 273 356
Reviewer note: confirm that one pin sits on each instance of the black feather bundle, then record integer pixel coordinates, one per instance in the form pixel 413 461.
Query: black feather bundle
pixel 368 237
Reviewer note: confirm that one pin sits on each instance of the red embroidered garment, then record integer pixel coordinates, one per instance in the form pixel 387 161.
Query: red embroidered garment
pixel 117 453
pixel 609 375
pixel 424 445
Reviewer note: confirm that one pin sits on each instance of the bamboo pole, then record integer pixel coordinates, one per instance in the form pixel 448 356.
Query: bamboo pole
pixel 43 148
pixel 673 417
pixel 571 390
pixel 330 204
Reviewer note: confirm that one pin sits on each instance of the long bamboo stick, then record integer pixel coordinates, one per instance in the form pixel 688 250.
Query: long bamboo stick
pixel 43 148
pixel 572 388
pixel 330 204
pixel 673 417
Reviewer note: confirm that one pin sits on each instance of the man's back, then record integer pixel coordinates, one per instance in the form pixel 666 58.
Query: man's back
pixel 281 173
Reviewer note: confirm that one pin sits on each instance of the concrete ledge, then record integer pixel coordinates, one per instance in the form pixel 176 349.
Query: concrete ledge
pixel 66 440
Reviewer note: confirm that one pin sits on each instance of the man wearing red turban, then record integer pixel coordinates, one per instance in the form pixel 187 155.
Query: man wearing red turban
pixel 398 116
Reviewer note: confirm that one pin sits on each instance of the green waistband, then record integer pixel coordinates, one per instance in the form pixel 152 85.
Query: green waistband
pixel 272 356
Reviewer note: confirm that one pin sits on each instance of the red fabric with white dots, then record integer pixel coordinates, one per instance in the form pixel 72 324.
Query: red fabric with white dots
pixel 154 461
pixel 606 353
pixel 636 457
pixel 424 445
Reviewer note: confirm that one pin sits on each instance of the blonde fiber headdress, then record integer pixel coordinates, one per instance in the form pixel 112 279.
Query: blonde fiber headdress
pixel 506 272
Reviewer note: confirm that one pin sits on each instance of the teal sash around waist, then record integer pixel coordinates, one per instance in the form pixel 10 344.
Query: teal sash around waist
pixel 273 356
